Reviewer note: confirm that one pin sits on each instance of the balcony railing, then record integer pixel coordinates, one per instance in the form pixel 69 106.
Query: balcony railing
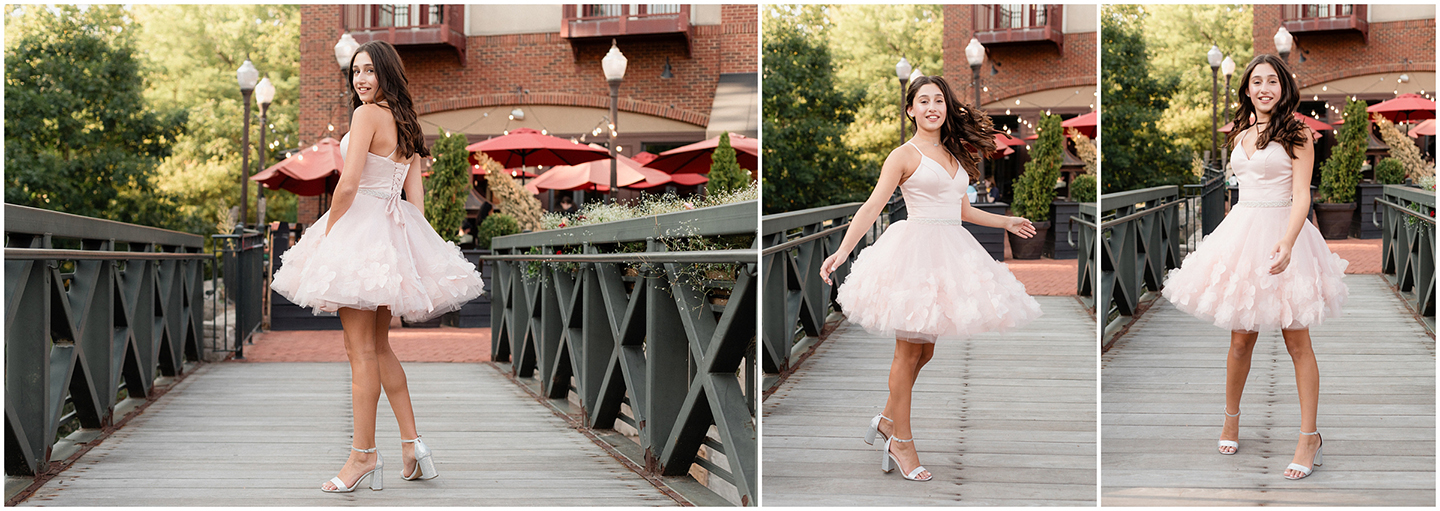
pixel 417 26
pixel 620 21
pixel 1017 24
pixel 1325 18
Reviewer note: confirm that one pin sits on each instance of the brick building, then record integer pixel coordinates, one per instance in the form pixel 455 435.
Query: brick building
pixel 1372 52
pixel 484 69
pixel 1039 58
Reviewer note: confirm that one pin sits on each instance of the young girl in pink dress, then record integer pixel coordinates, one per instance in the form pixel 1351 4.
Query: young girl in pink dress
pixel 927 276
pixel 373 255
pixel 1265 267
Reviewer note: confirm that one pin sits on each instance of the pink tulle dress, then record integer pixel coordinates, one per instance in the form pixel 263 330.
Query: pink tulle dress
pixel 381 252
pixel 926 276
pixel 1227 280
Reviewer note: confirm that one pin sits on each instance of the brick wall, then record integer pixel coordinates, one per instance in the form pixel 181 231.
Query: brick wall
pixel 1023 69
pixel 1335 56
pixel 554 72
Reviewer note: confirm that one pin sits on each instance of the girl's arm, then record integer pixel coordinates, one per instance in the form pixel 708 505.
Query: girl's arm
pixel 891 172
pixel 1300 208
pixel 363 125
pixel 977 216
pixel 414 190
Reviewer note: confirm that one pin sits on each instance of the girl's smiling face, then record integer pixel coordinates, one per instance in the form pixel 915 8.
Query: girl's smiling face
pixel 1263 88
pixel 928 108
pixel 363 77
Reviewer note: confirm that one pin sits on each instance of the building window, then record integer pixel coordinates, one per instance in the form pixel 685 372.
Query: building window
pixel 393 15
pixel 1018 16
pixel 1326 10
pixel 660 9
pixel 600 10
pixel 437 15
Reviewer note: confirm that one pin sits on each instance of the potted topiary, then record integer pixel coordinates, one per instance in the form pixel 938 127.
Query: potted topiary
pixel 1340 174
pixel 1035 189
pixel 446 189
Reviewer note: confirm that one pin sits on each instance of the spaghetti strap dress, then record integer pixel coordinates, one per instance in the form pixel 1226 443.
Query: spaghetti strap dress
pixel 927 276
pixel 381 252
pixel 1227 280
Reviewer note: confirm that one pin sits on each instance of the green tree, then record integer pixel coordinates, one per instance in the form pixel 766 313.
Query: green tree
pixel 805 117
pixel 1137 152
pixel 867 41
pixel 448 186
pixel 1035 189
pixel 79 135
pixel 725 171
pixel 192 53
pixel 1178 36
pixel 1341 171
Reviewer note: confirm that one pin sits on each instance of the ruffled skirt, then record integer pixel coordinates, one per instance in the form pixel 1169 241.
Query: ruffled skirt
pixel 370 260
pixel 921 281
pixel 1227 280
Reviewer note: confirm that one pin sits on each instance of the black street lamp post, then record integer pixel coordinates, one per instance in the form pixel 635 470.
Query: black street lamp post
pixel 614 66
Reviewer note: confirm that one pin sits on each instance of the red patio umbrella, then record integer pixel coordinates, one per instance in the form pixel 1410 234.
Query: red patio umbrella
pixel 477 170
pixel 1426 128
pixel 1405 107
pixel 593 175
pixel 1084 123
pixel 1314 124
pixel 309 172
pixel 524 147
pixel 695 158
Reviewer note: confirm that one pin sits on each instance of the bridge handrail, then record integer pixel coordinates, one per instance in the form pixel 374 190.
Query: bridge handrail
pixel 668 334
pixel 1407 246
pixel 92 321
pixel 1139 242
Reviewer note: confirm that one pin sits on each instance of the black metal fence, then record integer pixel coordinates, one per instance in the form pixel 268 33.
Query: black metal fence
pixel 1408 246
pixel 92 308
pixel 243 257
pixel 638 326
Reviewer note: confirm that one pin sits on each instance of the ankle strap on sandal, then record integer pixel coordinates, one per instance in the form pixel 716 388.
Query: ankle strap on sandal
pixel 1227 414
pixel 1316 432
pixel 367 451
pixel 410 441
pixel 907 440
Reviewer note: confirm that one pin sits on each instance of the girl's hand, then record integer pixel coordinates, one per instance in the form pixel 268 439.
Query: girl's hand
pixel 830 264
pixel 1020 226
pixel 1279 257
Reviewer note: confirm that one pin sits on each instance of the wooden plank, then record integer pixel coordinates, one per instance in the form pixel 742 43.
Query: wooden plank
pixel 252 434
pixel 1163 389
pixel 998 419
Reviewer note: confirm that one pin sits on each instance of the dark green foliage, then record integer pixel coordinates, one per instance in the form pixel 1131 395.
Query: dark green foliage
pixel 497 224
pixel 79 136
pixel 1138 154
pixel 1035 189
pixel 1390 172
pixel 448 186
pixel 807 164
pixel 1341 172
pixel 725 171
pixel 1082 188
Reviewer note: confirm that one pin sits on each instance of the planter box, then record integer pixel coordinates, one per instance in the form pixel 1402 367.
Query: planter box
pixel 1360 225
pixel 1055 245
pixel 1334 219
pixel 993 239
pixel 1029 248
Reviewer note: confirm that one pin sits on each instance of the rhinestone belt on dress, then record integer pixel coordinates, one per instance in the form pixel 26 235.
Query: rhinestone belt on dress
pixel 1264 203
pixel 376 192
pixel 935 221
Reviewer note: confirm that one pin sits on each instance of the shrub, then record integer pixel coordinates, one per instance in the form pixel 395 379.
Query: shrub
pixel 497 224
pixel 1341 172
pixel 448 185
pixel 1035 189
pixel 725 172
pixel 1390 172
pixel 1082 188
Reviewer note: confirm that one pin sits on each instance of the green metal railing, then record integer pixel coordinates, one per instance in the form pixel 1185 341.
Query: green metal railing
pixel 1408 246
pixel 243 260
pixel 661 340
pixel 92 307
pixel 1140 240
pixel 796 299
pixel 1081 234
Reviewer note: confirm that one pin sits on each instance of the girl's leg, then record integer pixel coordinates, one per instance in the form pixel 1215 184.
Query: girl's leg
pixel 359 326
pixel 1237 370
pixel 903 370
pixel 1307 382
pixel 397 390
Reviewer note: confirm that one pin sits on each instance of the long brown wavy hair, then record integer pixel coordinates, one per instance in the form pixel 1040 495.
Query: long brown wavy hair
pixel 1283 127
pixel 394 89
pixel 966 129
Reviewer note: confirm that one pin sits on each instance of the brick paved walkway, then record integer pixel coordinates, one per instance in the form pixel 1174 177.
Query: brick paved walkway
pixel 1045 277
pixel 1364 255
pixel 410 344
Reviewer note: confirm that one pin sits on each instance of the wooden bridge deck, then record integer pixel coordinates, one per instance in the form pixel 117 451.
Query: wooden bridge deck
pixel 268 434
pixel 998 419
pixel 1163 391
